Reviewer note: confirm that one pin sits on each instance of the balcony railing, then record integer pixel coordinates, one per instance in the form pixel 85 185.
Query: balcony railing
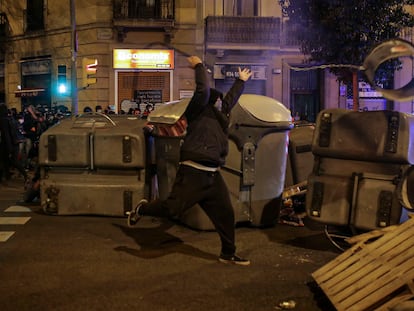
pixel 256 32
pixel 144 9
pixel 289 34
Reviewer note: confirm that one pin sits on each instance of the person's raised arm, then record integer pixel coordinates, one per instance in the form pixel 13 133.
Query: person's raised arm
pixel 202 91
pixel 233 95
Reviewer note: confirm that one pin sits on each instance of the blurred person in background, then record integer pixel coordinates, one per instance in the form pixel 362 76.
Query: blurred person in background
pixel 34 125
pixel 9 145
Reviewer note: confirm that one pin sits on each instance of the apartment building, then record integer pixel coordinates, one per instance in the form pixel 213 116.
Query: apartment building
pixel 140 47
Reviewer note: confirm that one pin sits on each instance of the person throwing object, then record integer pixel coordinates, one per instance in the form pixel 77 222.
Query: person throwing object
pixel 203 152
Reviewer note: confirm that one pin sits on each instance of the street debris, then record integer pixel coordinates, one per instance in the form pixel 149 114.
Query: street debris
pixel 287 305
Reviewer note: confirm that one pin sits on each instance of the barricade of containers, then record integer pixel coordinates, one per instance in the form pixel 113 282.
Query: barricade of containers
pixel 96 164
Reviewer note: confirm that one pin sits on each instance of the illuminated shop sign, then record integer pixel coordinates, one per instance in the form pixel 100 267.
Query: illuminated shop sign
pixel 29 92
pixel 366 90
pixel 232 71
pixel 143 59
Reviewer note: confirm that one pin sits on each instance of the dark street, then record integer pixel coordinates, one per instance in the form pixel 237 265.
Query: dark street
pixel 98 263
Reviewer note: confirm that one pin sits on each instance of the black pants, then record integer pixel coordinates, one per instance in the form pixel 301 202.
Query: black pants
pixel 208 189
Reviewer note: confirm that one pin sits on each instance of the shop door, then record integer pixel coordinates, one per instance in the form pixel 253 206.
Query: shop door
pixel 304 106
pixel 144 82
pixel 304 90
pixel 42 100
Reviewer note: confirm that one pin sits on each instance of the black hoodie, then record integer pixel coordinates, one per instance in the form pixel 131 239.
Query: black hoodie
pixel 206 141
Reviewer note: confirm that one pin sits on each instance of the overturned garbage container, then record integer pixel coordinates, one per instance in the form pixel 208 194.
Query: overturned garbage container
pixel 256 164
pixel 92 164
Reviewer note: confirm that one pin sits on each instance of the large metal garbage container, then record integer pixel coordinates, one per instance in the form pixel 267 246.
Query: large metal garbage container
pixel 359 159
pixel 256 164
pixel 92 164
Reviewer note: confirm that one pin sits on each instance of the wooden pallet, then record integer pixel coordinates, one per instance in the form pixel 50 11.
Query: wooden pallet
pixel 376 273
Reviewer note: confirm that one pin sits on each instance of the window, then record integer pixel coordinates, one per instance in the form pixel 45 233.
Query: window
pixel 34 15
pixel 241 7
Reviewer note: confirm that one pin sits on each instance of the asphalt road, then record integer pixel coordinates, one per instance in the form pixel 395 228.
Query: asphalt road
pixel 98 263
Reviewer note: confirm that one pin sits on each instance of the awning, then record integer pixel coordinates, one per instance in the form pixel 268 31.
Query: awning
pixel 29 92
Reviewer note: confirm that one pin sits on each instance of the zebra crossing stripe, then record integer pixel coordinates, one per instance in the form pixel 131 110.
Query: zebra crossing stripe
pixel 5 235
pixel 13 220
pixel 17 208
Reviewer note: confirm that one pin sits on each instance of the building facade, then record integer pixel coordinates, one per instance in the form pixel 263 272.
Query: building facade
pixel 141 48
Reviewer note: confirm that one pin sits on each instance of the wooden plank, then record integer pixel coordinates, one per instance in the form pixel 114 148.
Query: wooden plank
pixel 361 250
pixel 364 237
pixel 372 272
pixel 368 266
pixel 340 262
pixel 367 260
pixel 386 306
pixel 370 275
pixel 365 296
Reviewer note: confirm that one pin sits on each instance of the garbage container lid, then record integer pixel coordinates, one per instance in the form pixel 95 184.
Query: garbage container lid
pixel 170 112
pixel 265 108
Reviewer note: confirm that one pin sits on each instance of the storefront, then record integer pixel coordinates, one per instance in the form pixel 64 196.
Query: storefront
pixel 143 78
pixel 36 82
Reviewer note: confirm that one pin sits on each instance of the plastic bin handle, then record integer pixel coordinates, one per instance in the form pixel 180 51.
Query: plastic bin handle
pixel 89 119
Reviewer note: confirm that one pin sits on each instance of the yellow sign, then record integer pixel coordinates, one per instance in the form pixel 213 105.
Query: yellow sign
pixel 143 59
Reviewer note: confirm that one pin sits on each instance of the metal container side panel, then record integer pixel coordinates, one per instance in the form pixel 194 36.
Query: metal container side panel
pixel 342 167
pixel 92 194
pixel 167 156
pixel 260 202
pixel 377 205
pixel 290 179
pixel 270 166
pixel 120 146
pixel 382 136
pixel 300 157
pixel 239 196
pixel 328 199
pixel 61 145
pixel 118 150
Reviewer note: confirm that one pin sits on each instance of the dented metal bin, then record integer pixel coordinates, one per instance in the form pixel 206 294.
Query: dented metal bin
pixel 360 158
pixel 94 141
pixel 93 164
pixel 375 136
